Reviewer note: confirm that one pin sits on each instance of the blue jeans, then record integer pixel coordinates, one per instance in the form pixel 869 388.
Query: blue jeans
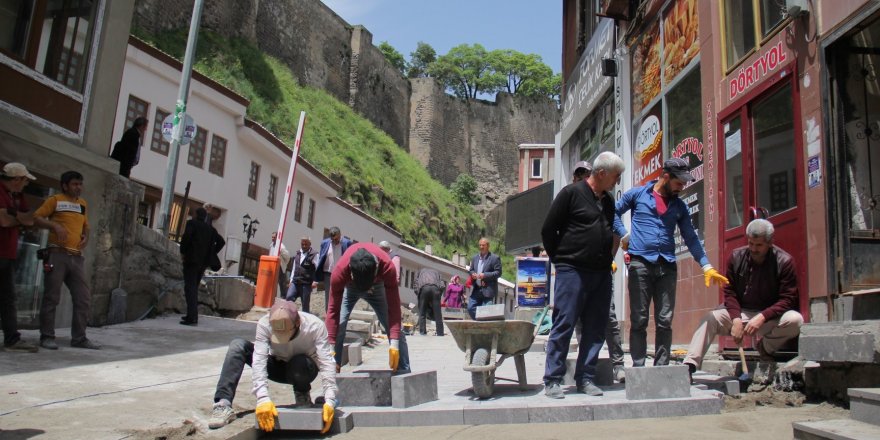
pixel 475 300
pixel 379 303
pixel 581 296
pixel 299 371
pixel 651 281
pixel 297 290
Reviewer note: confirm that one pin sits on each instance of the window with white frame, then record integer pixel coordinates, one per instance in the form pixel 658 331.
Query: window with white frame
pixel 537 165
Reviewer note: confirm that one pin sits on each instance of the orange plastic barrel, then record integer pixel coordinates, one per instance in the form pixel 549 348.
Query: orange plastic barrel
pixel 267 281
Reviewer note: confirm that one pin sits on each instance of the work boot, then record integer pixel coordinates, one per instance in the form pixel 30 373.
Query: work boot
pixel 619 374
pixel 221 416
pixel 302 399
pixel 763 356
pixel 85 343
pixel 553 390
pixel 48 343
pixel 589 389
pixel 21 347
pixel 691 370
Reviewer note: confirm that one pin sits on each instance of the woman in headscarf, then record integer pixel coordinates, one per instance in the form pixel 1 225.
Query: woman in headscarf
pixel 454 292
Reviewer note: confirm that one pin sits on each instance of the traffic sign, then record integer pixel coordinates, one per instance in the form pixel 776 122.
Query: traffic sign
pixel 189 129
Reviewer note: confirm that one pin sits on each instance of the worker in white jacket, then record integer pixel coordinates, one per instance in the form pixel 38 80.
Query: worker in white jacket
pixel 290 347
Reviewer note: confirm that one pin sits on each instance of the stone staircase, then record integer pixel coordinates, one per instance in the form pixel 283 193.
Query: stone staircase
pixel 863 424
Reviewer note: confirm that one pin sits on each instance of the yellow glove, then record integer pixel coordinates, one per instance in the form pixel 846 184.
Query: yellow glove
pixel 329 411
pixel 394 354
pixel 613 267
pixel 266 414
pixel 624 243
pixel 710 274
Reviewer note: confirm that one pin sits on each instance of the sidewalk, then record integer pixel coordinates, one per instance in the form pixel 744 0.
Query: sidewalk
pixel 156 378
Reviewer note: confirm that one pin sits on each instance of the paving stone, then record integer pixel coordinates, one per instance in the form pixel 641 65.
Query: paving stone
pixel 342 422
pixel 664 382
pixel 842 429
pixel 852 341
pixel 496 415
pixel 624 410
pixel 492 312
pixel 689 407
pixel 377 418
pixel 560 414
pixel 364 388
pixel 604 371
pixel 308 419
pixel 434 417
pixel 864 405
pixel 413 389
pixel 355 354
pixel 345 353
pixel 363 315
pixel 358 326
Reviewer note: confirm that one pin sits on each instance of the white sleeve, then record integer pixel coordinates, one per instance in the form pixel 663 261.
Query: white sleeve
pixel 259 364
pixel 323 357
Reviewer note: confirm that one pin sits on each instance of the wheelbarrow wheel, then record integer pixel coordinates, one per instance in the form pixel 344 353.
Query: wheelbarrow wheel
pixel 482 381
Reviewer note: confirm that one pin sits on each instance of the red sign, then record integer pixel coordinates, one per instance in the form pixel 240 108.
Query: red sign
pixel 749 75
pixel 648 154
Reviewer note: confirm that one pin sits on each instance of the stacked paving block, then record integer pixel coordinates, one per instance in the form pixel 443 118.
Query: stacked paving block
pixel 863 424
pixel 413 389
pixel 664 382
pixel 491 312
pixel 364 388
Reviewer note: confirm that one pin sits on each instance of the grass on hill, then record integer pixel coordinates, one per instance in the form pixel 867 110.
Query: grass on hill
pixel 376 174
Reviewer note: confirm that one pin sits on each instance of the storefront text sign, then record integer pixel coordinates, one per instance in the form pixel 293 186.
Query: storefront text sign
pixel 587 86
pixel 746 76
pixel 648 154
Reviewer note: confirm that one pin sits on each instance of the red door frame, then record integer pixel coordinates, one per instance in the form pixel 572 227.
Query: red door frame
pixel 729 240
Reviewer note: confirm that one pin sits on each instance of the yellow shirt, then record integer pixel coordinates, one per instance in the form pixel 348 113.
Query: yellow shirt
pixel 70 213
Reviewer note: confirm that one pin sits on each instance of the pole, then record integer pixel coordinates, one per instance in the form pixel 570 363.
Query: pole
pixel 285 206
pixel 179 118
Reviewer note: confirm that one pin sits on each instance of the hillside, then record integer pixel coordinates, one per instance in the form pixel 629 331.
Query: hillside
pixel 374 172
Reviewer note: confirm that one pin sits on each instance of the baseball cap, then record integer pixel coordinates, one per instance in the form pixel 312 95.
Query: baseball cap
pixel 679 169
pixel 363 266
pixel 283 319
pixel 585 165
pixel 15 169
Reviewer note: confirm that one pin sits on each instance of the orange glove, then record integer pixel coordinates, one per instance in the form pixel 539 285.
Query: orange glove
pixel 710 275
pixel 327 414
pixel 266 414
pixel 394 354
pixel 613 267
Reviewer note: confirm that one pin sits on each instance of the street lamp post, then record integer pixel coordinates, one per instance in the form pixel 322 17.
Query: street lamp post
pixel 249 229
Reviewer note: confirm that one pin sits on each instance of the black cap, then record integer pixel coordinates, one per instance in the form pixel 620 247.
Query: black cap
pixel 363 266
pixel 678 168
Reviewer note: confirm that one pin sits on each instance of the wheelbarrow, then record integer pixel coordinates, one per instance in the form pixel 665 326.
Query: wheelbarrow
pixel 486 344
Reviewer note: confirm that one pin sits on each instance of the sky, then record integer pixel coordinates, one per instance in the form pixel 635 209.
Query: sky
pixel 527 26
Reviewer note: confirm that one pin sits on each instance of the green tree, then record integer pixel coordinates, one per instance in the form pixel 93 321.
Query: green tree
pixel 463 189
pixel 421 60
pixel 393 56
pixel 526 74
pixel 465 70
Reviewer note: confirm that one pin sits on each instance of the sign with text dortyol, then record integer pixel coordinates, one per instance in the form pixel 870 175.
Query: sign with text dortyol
pixel 586 86
pixel 648 151
pixel 189 129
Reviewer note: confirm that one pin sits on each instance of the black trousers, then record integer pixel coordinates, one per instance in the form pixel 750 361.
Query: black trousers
pixel 192 277
pixel 300 371
pixel 429 297
pixel 8 315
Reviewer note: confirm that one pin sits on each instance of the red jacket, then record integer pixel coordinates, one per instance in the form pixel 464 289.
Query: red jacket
pixel 341 277
pixel 770 288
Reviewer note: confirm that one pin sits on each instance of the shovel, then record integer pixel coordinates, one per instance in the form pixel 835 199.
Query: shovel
pixel 118 296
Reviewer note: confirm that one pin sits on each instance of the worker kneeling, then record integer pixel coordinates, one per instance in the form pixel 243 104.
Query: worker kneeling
pixel 290 347
pixel 762 298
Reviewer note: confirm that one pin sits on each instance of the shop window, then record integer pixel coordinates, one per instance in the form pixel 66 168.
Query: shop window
pixel 254 179
pixel 196 156
pixel 52 37
pixel 273 187
pixel 733 169
pixel 536 168
pixel 596 133
pixel 311 219
pixel 298 207
pixel 747 23
pixel 774 131
pixel 158 143
pixel 218 159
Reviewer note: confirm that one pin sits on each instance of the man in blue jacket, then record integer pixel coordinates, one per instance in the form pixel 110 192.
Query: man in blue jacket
pixel 656 212
pixel 330 252
pixel 485 271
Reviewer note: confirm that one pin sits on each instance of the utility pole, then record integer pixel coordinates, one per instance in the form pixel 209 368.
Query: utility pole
pixel 179 118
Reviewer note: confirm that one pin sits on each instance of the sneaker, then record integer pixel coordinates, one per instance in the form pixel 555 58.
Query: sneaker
pixel 553 390
pixel 589 389
pixel 85 343
pixel 619 374
pixel 21 347
pixel 221 416
pixel 302 399
pixel 48 344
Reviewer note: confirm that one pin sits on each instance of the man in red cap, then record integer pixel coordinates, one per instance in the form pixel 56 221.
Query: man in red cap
pixel 290 347
pixel 366 272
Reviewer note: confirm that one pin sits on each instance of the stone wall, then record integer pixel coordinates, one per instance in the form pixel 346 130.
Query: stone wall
pixel 450 136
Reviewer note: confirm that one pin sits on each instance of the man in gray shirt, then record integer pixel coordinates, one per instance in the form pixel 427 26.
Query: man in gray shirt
pixel 429 287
